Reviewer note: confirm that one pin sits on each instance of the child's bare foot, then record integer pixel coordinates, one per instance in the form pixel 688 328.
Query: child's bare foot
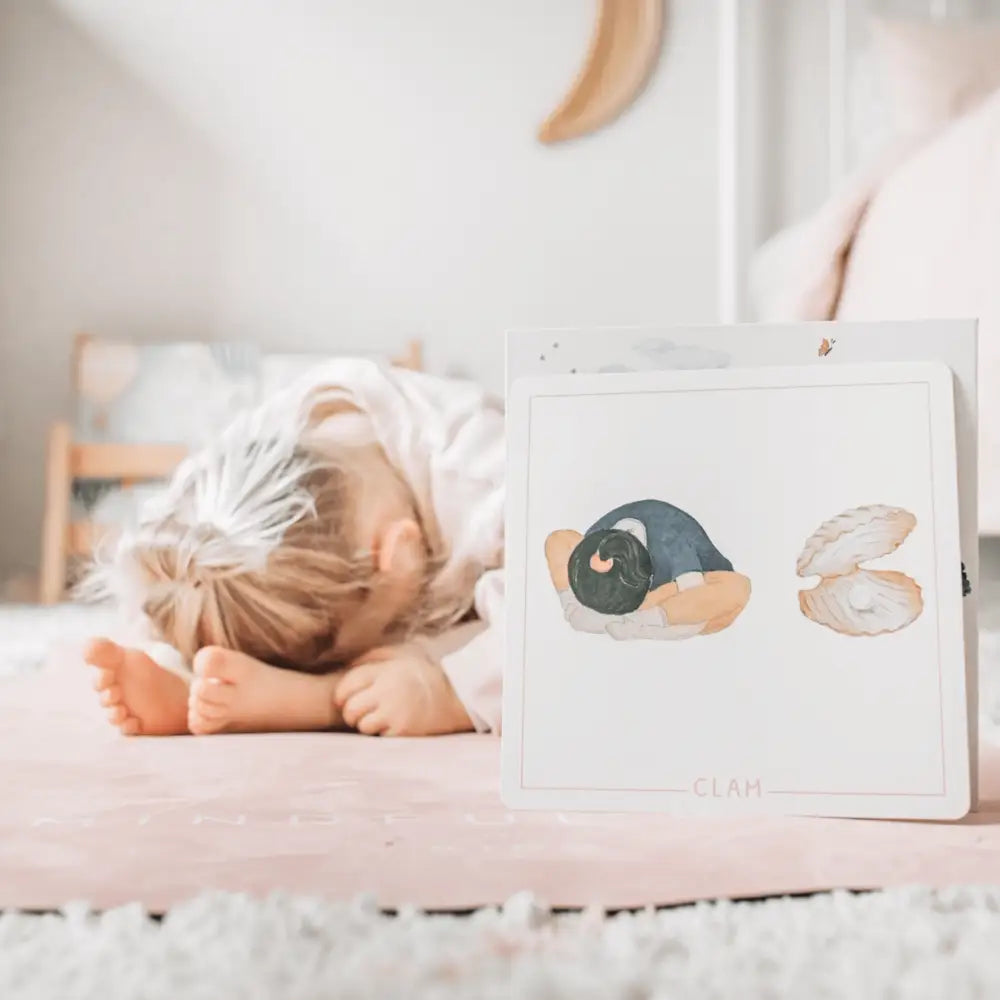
pixel 140 697
pixel 400 691
pixel 234 693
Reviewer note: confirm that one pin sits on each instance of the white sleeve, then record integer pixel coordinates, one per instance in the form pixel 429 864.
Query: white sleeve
pixel 636 626
pixel 634 527
pixel 582 618
pixel 687 581
pixel 471 655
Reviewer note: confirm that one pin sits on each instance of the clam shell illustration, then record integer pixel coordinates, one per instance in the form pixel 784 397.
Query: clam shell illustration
pixel 850 599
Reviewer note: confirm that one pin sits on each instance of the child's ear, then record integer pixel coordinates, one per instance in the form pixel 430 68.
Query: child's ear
pixel 397 546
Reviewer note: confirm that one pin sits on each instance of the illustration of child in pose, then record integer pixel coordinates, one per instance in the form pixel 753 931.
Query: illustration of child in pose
pixel 645 570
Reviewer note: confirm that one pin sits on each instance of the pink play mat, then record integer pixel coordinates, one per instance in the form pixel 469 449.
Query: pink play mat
pixel 89 815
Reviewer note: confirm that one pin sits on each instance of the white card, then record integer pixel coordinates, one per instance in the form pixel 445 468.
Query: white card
pixel 777 624
pixel 952 341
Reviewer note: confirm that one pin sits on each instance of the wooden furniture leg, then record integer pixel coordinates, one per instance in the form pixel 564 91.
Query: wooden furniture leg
pixel 63 539
pixel 55 527
pixel 412 357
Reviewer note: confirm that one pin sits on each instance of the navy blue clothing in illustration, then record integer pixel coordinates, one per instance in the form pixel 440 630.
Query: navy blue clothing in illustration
pixel 677 543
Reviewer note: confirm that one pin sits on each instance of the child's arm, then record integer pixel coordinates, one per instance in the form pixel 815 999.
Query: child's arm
pixel 719 595
pixel 687 607
pixel 472 655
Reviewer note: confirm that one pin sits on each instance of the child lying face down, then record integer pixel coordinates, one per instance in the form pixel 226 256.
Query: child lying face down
pixel 333 560
pixel 645 570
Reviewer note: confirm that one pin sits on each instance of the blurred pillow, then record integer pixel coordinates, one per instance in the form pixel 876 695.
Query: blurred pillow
pixel 929 246
pixel 176 393
pixel 934 71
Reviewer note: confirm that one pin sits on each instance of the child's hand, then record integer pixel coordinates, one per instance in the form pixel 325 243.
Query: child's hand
pixel 400 691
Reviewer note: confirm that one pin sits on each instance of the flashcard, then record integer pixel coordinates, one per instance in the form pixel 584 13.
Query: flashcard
pixel 951 341
pixel 735 591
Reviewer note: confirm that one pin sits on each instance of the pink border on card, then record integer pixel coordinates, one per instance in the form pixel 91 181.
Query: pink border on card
pixel 785 791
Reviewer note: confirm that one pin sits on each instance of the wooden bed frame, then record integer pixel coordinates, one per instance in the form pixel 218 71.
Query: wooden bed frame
pixel 68 460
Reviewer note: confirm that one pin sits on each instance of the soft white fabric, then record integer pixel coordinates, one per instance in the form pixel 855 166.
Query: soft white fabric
pixel 446 437
pixel 915 236
pixel 798 272
pixel 475 667
pixel 929 246
pixel 652 624
pixel 167 657
pixel 688 581
pixel 903 944
pixel 646 623
pixel 582 618
pixel 634 527
pixel 934 71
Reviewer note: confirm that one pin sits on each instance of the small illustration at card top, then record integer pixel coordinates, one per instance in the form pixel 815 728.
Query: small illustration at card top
pixel 665 354
pixel 645 570
pixel 825 347
pixel 850 599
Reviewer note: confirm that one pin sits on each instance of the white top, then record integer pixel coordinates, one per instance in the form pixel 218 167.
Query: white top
pixel 446 438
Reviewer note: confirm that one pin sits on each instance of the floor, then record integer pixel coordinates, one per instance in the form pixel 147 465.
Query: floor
pixel 904 944
pixel 901 943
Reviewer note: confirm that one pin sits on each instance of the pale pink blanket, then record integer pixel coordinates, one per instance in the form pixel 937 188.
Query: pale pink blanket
pixel 914 236
pixel 87 814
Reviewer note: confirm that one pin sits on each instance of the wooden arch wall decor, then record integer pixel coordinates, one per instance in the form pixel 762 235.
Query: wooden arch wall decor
pixel 623 52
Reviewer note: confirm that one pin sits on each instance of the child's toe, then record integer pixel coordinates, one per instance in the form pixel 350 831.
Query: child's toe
pixel 204 722
pixel 210 692
pixel 212 713
pixel 104 679
pixel 213 661
pixel 103 654
pixel 225 664
pixel 111 696
pixel 117 714
pixel 210 705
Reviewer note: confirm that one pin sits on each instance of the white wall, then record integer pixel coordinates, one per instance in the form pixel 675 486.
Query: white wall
pixel 321 175
pixel 110 219
pixel 324 175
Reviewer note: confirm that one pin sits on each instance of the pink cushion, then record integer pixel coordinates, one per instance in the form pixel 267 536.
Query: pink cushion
pixel 935 71
pixel 929 246
pixel 89 815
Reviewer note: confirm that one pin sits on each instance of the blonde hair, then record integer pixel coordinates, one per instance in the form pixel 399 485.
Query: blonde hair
pixel 251 547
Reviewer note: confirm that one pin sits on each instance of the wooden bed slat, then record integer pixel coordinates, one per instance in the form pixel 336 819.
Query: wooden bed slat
pixel 84 535
pixel 55 527
pixel 125 461
pixel 69 460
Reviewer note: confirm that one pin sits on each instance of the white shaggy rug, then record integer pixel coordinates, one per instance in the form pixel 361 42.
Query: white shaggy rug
pixel 29 631
pixel 900 944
